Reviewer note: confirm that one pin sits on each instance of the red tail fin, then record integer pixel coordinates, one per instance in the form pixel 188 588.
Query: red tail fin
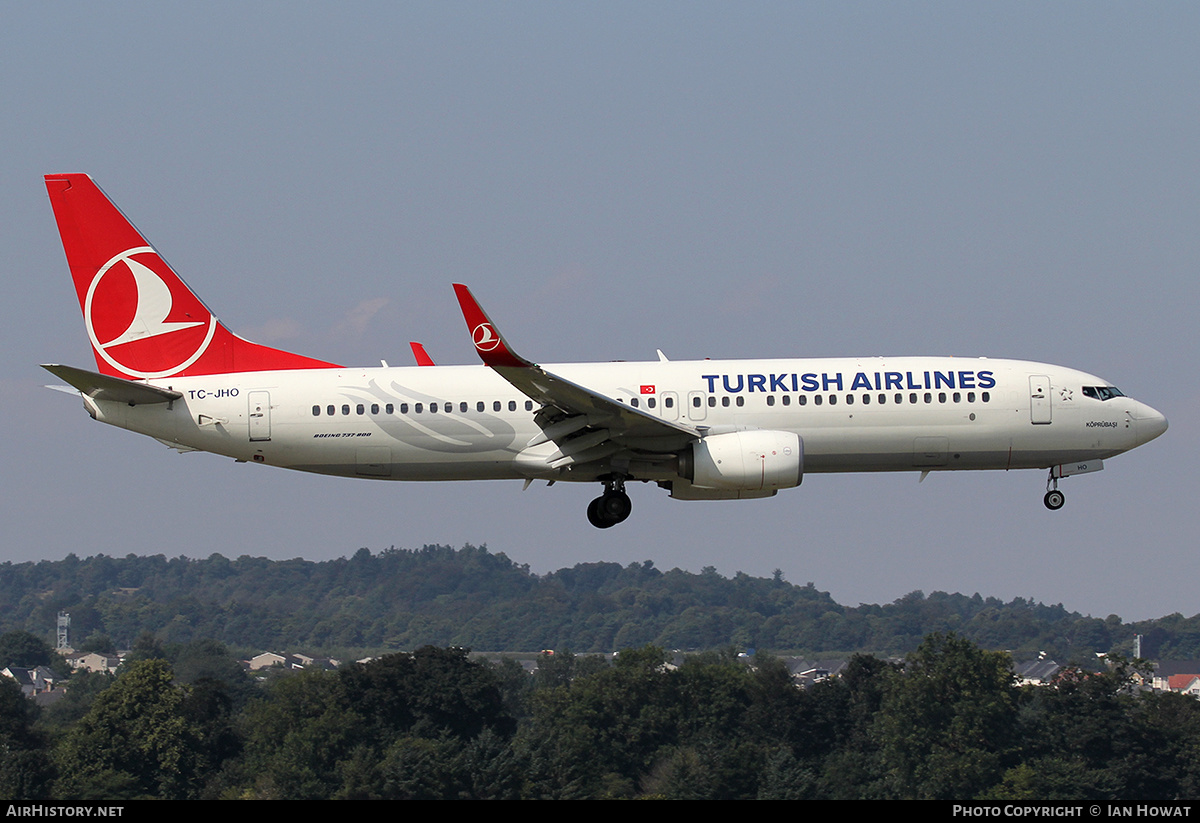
pixel 143 320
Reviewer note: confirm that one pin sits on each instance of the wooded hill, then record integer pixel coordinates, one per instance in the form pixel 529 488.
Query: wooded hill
pixel 437 595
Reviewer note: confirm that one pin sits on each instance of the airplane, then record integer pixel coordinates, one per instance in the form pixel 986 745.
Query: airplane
pixel 166 367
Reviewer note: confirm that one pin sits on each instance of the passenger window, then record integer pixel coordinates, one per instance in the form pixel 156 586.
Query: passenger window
pixel 417 408
pixel 346 409
pixel 479 406
pixel 462 407
pixel 770 400
pixel 802 400
pixel 741 401
pixel 316 411
pixel 725 401
pixel 650 402
pixel 512 405
pixel 496 405
pixel 329 410
pixel 389 408
pixel 360 409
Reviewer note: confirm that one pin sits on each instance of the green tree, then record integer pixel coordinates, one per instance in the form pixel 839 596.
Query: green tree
pixel 80 693
pixel 99 643
pixel 25 649
pixel 134 742
pixel 397 727
pixel 516 687
pixel 428 693
pixel 1093 736
pixel 947 725
pixel 25 770
pixel 597 736
pixel 146 647
pixel 295 738
pixel 554 669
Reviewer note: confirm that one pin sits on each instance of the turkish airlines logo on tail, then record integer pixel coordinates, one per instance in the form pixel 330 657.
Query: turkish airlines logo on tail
pixel 485 337
pixel 141 318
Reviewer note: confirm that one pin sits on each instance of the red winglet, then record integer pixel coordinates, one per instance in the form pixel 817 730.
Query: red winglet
pixel 422 356
pixel 490 344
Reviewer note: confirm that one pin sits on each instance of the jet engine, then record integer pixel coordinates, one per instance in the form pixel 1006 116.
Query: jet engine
pixel 745 461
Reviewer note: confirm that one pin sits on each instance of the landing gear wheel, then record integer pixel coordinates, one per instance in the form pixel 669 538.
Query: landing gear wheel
pixel 609 509
pixel 1054 500
pixel 594 516
pixel 616 506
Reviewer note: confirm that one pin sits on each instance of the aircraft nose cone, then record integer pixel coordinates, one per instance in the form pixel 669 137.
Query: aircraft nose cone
pixel 1150 424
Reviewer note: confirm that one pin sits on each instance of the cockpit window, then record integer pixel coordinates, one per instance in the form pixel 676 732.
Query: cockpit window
pixel 1102 392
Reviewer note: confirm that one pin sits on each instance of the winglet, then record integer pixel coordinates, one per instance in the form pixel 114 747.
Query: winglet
pixel 422 356
pixel 489 343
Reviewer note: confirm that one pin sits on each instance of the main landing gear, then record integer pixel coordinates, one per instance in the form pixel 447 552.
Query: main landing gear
pixel 610 508
pixel 1054 499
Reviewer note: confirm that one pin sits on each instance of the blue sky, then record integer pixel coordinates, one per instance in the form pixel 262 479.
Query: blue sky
pixel 715 180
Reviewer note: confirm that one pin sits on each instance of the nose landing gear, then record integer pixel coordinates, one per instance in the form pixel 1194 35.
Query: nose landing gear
pixel 610 508
pixel 1054 499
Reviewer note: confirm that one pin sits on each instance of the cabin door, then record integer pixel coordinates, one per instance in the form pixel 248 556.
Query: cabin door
pixel 260 415
pixel 1039 399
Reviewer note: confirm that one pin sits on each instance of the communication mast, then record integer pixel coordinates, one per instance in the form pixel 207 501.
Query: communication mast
pixel 64 623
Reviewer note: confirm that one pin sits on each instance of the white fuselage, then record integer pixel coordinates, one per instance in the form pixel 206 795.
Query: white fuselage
pixel 469 423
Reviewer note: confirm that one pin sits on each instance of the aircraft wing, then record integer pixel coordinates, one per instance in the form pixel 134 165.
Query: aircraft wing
pixel 103 387
pixel 625 425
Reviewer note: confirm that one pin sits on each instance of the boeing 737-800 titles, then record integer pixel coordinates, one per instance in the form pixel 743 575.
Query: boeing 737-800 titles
pixel 702 430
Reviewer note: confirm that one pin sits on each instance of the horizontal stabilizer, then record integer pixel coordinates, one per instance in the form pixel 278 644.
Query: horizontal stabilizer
pixel 103 387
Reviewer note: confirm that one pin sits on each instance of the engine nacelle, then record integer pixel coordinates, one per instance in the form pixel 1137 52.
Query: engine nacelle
pixel 745 461
pixel 682 490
